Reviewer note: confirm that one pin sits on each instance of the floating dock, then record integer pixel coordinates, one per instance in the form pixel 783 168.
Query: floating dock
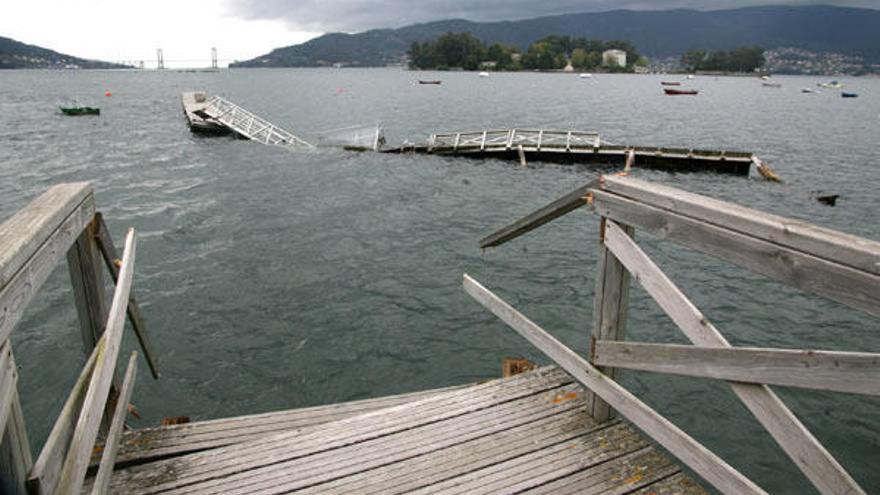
pixel 556 146
pixel 570 427
pixel 194 102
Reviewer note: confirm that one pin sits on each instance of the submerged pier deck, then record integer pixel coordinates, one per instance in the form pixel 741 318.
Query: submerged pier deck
pixel 531 433
pixel 563 146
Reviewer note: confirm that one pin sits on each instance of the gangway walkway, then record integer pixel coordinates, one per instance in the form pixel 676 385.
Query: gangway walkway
pixel 249 125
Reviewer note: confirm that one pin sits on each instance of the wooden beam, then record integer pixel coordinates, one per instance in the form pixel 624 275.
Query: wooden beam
pixel 111 445
pixel 552 211
pixel 83 441
pixel 86 277
pixel 820 467
pixel 37 241
pixel 831 245
pixel 703 461
pixel 853 372
pixel 8 384
pixel 111 258
pixel 610 307
pixel 15 451
pixel 43 477
pixel 841 283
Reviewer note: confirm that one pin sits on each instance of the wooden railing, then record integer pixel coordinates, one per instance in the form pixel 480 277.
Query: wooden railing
pixel 832 264
pixel 63 222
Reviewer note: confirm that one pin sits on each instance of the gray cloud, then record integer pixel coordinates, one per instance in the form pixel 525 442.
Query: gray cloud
pixel 360 15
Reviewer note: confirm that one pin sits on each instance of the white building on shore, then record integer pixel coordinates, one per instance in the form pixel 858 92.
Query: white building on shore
pixel 614 57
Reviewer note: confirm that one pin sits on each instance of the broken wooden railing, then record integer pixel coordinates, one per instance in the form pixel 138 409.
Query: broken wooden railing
pixel 832 264
pixel 60 223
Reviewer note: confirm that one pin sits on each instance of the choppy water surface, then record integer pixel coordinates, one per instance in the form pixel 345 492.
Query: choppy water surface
pixel 271 279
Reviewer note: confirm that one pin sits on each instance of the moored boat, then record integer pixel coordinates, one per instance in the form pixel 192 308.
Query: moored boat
pixel 830 85
pixel 79 110
pixel 671 91
pixel 670 83
pixel 771 85
pixel 849 95
pixel 432 81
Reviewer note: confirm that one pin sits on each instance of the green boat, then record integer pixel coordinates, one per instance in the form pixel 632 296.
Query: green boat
pixel 77 110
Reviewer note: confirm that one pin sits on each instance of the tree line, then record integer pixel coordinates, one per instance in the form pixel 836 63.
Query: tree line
pixel 465 51
pixel 742 59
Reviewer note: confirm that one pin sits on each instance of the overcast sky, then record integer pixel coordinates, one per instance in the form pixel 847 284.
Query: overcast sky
pixel 129 30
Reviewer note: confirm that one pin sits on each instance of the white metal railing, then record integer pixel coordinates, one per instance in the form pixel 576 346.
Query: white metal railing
pixel 250 125
pixel 529 139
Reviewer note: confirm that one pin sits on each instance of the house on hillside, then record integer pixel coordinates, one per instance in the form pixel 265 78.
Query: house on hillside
pixel 614 58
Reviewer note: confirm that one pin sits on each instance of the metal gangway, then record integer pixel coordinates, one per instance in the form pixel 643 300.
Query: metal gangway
pixel 249 125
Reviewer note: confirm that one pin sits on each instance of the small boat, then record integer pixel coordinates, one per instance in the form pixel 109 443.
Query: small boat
pixel 771 85
pixel 844 94
pixel 673 92
pixel 585 75
pixel 810 91
pixel 432 81
pixel 484 74
pixel 830 85
pixel 690 76
pixel 670 83
pixel 79 110
pixel 765 78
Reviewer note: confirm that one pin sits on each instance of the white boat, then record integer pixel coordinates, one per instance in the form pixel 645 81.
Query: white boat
pixel 830 85
pixel 810 91
pixel 585 75
pixel 484 74
pixel 690 76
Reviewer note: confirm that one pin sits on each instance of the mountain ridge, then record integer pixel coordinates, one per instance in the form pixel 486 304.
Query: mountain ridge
pixel 658 33
pixel 15 54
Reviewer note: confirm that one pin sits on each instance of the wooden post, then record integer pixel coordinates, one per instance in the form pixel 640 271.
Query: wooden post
pixel 15 451
pixel 610 308
pixel 84 261
pixel 522 155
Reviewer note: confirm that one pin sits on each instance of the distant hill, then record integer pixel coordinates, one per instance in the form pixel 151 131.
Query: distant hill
pixel 18 55
pixel 668 33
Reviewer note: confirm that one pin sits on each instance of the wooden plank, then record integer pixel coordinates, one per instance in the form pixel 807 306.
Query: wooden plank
pixel 703 461
pixel 853 372
pixel 677 484
pixel 163 441
pixel 15 453
pixel 111 258
pixel 552 211
pixel 43 477
pixel 820 467
pixel 111 444
pixel 442 464
pixel 21 233
pixel 8 384
pixel 86 277
pixel 332 464
pixel 841 283
pixel 77 461
pixel 839 247
pixel 610 308
pixel 198 467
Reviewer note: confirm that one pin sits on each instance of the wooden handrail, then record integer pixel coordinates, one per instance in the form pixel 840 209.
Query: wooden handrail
pixel 77 460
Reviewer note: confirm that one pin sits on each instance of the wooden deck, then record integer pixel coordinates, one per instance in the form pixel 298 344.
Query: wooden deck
pixel 193 103
pixel 529 433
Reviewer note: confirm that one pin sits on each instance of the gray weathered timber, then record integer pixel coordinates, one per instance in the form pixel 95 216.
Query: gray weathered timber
pixel 552 211
pixel 820 467
pixel 162 441
pixel 611 306
pixel 15 453
pixel 111 444
pixel 8 384
pixel 321 467
pixel 86 277
pixel 678 484
pixel 853 372
pixel 703 461
pixel 111 257
pixel 22 234
pixel 217 463
pixel 853 287
pixel 77 461
pixel 43 477
pixel 838 247
pixel 37 238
